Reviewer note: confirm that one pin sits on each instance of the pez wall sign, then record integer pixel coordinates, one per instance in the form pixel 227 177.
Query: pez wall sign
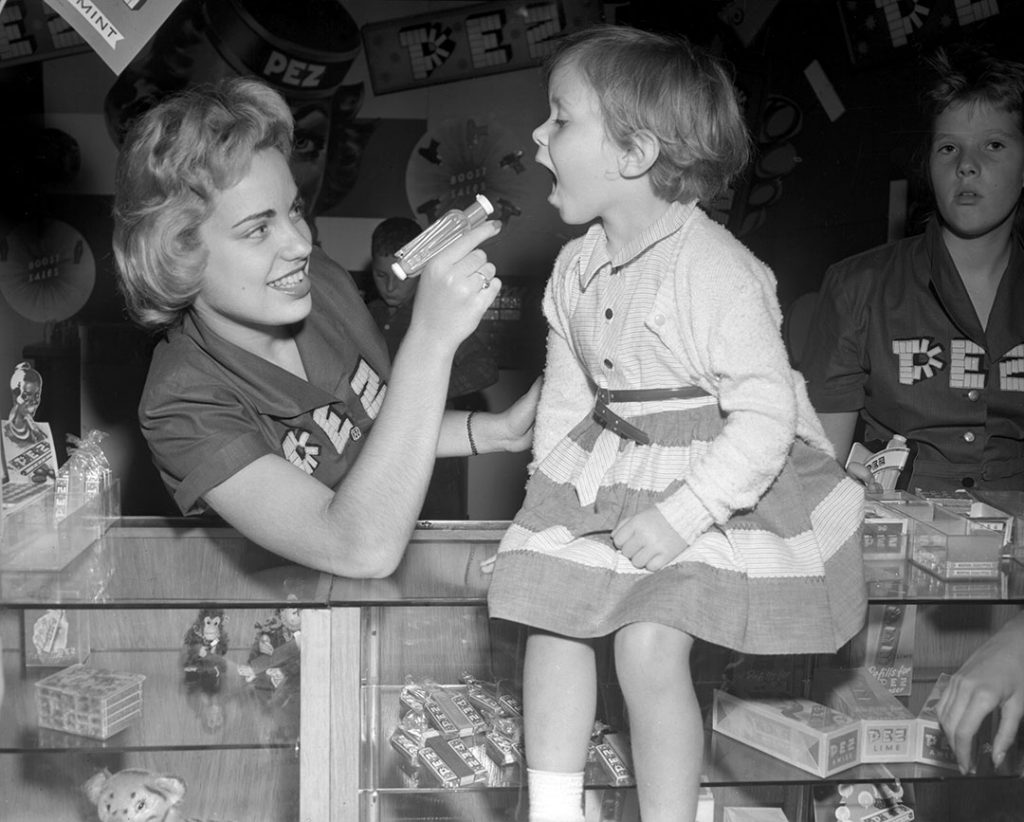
pixel 459 44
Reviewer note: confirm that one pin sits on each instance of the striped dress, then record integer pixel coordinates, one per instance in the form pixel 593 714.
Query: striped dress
pixel 733 457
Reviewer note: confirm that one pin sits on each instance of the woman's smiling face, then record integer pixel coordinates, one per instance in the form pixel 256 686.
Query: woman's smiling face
pixel 977 167
pixel 258 245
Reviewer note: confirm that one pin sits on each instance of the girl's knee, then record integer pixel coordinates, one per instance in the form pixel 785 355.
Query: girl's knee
pixel 653 639
pixel 652 654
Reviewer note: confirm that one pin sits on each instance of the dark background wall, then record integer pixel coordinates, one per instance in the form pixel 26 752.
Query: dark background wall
pixel 835 201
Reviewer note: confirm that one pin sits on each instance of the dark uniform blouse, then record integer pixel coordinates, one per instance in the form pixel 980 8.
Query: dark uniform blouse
pixel 896 337
pixel 209 408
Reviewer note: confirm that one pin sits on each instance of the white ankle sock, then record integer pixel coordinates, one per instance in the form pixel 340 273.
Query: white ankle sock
pixel 555 797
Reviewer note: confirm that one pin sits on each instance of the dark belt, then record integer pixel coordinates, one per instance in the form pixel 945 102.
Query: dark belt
pixel 617 425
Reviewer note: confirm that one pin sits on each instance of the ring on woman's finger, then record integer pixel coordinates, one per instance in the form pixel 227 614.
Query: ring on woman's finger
pixel 486 280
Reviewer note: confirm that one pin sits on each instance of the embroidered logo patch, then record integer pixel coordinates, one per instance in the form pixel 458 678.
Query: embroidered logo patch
pixel 369 387
pixel 1011 369
pixel 918 359
pixel 922 358
pixel 298 450
pixel 337 426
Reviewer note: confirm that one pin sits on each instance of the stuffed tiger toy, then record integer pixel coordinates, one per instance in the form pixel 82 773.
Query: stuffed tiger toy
pixel 134 795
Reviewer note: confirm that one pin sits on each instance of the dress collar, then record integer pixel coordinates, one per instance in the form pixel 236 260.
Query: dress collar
pixel 1005 327
pixel 670 222
pixel 274 391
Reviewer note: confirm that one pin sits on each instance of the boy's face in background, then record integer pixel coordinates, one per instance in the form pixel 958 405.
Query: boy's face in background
pixel 392 290
pixel 977 167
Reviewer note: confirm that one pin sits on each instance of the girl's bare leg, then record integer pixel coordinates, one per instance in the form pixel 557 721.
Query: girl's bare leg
pixel 653 666
pixel 559 701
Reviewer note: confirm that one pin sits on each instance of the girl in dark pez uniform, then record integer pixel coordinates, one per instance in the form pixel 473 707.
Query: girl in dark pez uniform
pixel 924 337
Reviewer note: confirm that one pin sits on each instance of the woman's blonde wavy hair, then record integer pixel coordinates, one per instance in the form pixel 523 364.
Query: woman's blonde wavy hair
pixel 176 158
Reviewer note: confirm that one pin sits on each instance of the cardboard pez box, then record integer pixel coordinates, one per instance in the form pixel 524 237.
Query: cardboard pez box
pixel 886 646
pixel 55 637
pixel 887 727
pixel 932 747
pixel 806 734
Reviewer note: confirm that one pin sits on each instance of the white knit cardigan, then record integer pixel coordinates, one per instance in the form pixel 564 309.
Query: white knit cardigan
pixel 719 315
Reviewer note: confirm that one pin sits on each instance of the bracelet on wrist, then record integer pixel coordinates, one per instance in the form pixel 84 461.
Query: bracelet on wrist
pixel 469 432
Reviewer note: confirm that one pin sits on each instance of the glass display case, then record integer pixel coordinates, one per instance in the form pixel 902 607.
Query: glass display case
pixel 125 609
pixel 428 624
pixel 321 749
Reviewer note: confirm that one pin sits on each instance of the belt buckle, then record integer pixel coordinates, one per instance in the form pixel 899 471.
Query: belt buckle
pixel 617 425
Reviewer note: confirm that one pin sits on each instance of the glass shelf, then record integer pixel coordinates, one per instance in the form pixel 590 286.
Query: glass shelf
pixel 903 581
pixel 142 562
pixel 174 716
pixel 442 566
pixel 128 568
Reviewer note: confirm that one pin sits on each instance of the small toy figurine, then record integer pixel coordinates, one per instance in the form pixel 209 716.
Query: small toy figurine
pixel 135 795
pixel 872 802
pixel 28 444
pixel 26 392
pixel 274 657
pixel 206 643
